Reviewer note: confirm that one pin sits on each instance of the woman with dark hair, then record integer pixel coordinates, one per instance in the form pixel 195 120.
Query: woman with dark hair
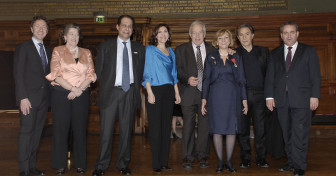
pixel 71 72
pixel 160 81
pixel 223 93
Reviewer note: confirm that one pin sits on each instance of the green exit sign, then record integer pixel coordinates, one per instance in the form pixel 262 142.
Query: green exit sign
pixel 100 19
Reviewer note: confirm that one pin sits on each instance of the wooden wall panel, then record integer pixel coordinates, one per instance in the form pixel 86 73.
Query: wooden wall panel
pixel 318 30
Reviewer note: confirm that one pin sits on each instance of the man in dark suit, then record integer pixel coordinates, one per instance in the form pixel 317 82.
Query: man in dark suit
pixel 31 65
pixel 190 77
pixel 255 59
pixel 292 85
pixel 119 68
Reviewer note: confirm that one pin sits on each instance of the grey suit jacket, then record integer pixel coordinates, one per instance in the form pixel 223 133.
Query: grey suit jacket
pixel 106 70
pixel 187 67
pixel 29 76
pixel 303 78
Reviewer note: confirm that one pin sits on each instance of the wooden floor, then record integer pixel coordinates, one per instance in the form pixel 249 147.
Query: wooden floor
pixel 321 158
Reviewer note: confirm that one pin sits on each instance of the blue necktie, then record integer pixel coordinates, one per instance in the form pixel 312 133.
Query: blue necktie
pixel 43 56
pixel 125 74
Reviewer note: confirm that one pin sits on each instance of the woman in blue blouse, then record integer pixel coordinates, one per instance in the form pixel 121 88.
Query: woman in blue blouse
pixel 160 81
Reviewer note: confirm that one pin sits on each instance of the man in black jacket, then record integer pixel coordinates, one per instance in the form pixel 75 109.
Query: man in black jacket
pixel 255 60
pixel 31 65
pixel 293 85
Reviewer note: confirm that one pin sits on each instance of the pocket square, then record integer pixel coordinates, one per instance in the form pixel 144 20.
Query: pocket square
pixel 135 52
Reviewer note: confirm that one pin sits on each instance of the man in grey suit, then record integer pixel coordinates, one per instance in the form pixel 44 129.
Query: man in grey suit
pixel 119 68
pixel 32 89
pixel 189 73
pixel 292 85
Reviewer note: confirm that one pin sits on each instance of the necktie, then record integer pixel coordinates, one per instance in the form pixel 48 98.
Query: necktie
pixel 288 58
pixel 199 68
pixel 43 56
pixel 125 73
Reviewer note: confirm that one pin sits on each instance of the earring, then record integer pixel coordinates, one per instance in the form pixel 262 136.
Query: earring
pixel 168 39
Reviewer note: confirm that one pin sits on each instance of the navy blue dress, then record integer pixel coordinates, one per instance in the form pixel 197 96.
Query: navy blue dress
pixel 224 90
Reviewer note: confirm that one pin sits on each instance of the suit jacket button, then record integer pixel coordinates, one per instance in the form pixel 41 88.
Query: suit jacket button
pixel 42 87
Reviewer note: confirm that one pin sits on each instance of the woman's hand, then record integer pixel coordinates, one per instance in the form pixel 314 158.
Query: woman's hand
pixel 177 98
pixel 204 111
pixel 151 98
pixel 71 96
pixel 77 91
pixel 245 107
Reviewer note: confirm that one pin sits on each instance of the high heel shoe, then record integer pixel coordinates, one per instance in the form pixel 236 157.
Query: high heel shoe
pixel 175 137
pixel 220 167
pixel 230 167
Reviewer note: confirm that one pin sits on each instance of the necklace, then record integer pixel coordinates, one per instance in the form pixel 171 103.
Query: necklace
pixel 74 51
pixel 223 54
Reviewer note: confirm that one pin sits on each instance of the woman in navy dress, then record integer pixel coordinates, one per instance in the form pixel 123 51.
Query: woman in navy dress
pixel 160 81
pixel 223 94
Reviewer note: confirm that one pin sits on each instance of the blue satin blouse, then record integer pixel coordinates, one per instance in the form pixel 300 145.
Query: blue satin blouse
pixel 160 69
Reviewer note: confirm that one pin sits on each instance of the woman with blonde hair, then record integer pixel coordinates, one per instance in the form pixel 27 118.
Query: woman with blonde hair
pixel 222 96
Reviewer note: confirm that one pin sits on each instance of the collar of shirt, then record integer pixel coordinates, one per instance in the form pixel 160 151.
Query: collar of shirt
pixel 37 46
pixel 203 51
pixel 293 49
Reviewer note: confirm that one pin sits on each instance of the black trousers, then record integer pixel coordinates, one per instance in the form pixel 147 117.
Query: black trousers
pixel 295 124
pixel 256 110
pixel 30 135
pixel 69 114
pixel 159 119
pixel 202 149
pixel 122 106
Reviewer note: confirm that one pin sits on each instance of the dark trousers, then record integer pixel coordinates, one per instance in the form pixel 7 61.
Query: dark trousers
pixel 295 124
pixel 122 106
pixel 257 111
pixel 69 114
pixel 30 134
pixel 159 119
pixel 202 149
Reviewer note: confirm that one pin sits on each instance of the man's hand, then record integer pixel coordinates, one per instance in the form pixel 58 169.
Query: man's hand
pixel 193 81
pixel 270 104
pixel 231 51
pixel 314 103
pixel 177 98
pixel 25 106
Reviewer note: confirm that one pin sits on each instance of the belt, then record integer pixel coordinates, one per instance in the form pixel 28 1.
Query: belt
pixel 121 86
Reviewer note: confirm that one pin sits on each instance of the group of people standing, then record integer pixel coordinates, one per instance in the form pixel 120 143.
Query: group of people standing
pixel 220 87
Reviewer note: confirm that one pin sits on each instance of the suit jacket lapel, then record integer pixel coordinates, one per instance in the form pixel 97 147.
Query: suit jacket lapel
pixel 282 57
pixel 296 57
pixel 135 54
pixel 191 56
pixel 37 55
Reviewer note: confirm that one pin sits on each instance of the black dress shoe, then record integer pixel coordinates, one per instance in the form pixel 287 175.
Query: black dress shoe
pixel 187 165
pixel 203 163
pixel 245 164
pixel 166 168
pixel 125 171
pixel 156 170
pixel 299 172
pixel 286 168
pixel 60 171
pixel 230 167
pixel 36 172
pixel 24 174
pixel 98 172
pixel 262 163
pixel 80 171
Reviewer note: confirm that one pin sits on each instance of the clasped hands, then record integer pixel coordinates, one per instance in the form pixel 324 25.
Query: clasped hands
pixel 74 92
